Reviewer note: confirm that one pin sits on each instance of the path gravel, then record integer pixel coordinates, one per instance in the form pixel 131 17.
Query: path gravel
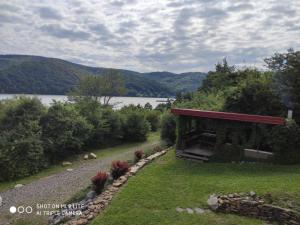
pixel 57 188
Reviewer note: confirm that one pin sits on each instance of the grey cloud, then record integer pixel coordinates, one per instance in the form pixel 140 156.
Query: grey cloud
pixel 240 7
pixel 9 8
pixel 58 31
pixel 49 13
pixel 9 18
pixel 101 30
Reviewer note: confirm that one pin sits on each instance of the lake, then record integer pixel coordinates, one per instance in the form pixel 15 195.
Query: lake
pixel 118 102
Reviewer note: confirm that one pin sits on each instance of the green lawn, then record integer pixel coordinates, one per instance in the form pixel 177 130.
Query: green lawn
pixel 78 160
pixel 152 196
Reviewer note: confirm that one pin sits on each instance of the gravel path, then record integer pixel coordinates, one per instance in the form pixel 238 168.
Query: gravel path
pixel 57 188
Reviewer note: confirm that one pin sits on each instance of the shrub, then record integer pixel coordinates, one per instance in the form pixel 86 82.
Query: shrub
pixel 168 128
pixel 64 131
pixel 135 126
pixel 119 168
pixel 138 154
pixel 21 151
pixel 285 141
pixel 153 117
pixel 157 148
pixel 99 181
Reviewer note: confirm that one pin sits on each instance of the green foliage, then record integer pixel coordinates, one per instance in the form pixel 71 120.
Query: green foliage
pixel 96 88
pixel 153 117
pixel 168 128
pixel 64 131
pixel 255 95
pixel 21 150
pixel 285 141
pixel 135 125
pixel 286 67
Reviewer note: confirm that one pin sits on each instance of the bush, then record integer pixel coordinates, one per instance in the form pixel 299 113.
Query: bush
pixel 168 128
pixel 21 151
pixel 285 141
pixel 119 168
pixel 135 126
pixel 64 131
pixel 138 154
pixel 153 117
pixel 99 181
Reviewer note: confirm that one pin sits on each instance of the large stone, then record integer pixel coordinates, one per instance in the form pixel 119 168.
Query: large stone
pixel 199 210
pixel 19 185
pixel 213 202
pixel 91 195
pixel 178 209
pixel 82 222
pixel 69 170
pixel 86 156
pixel 189 210
pixel 93 155
pixel 66 163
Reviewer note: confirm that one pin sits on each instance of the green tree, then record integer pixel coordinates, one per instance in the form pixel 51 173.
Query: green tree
pixel 64 131
pixel 153 117
pixel 21 150
pixel 287 70
pixel 135 125
pixel 255 96
pixel 168 128
pixel 100 88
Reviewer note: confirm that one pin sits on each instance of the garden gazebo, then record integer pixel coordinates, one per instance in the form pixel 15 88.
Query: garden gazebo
pixel 228 136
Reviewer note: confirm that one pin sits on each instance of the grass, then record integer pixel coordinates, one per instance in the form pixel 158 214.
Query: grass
pixel 152 196
pixel 78 160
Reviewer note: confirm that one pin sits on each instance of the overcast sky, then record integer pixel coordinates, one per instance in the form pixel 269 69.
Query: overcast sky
pixel 150 35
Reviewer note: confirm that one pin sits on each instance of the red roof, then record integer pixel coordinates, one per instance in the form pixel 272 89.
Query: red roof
pixel 229 116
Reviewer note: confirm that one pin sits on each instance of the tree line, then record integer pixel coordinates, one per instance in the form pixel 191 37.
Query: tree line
pixel 33 137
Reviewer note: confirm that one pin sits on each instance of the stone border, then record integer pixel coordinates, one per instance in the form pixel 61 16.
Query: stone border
pixel 100 202
pixel 251 205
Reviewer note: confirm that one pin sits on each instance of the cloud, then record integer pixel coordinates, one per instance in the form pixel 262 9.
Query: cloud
pixel 172 35
pixel 56 30
pixel 49 13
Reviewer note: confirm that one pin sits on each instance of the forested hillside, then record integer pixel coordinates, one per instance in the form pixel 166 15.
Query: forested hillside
pixel 41 75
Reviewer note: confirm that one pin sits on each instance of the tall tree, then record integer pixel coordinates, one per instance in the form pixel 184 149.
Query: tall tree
pixel 287 70
pixel 102 87
pixel 112 85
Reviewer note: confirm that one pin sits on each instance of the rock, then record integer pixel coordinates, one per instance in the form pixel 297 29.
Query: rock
pixel 252 194
pixel 178 209
pixel 86 156
pixel 90 217
pixel 199 210
pixel 69 170
pixel 91 195
pixel 82 222
pixel 213 202
pixel 117 184
pixel 189 210
pixel 93 156
pixel 66 163
pixel 0 201
pixel 19 185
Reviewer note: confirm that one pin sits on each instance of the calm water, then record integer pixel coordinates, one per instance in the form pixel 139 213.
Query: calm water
pixel 118 102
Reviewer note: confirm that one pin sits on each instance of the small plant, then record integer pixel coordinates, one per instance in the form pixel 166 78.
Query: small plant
pixel 119 168
pixel 99 181
pixel 157 148
pixel 138 155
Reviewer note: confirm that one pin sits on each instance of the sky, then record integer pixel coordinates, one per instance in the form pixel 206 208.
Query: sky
pixel 151 35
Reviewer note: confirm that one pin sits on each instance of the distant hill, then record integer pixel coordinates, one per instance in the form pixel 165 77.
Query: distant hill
pixel 42 75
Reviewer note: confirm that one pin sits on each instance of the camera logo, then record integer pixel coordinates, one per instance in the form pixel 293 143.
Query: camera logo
pixel 20 209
